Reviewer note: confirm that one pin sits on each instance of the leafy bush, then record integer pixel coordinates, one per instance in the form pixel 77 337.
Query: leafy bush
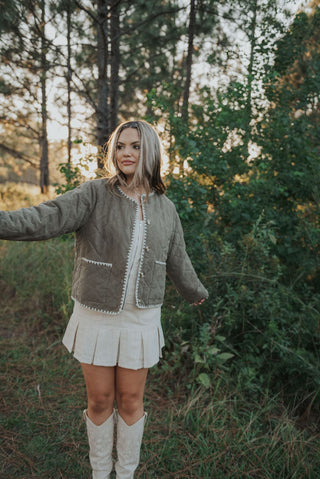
pixel 256 329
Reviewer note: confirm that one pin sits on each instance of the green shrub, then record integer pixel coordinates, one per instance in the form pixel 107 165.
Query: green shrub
pixel 260 331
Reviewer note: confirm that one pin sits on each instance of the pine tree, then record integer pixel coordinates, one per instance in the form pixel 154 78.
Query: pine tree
pixel 24 53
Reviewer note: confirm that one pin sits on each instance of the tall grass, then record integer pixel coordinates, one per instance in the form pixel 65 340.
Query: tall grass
pixel 192 432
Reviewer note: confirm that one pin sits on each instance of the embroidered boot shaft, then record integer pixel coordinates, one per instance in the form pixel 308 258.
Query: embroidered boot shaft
pixel 101 444
pixel 129 440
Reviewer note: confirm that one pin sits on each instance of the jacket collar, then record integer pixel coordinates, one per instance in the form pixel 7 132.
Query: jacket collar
pixel 130 198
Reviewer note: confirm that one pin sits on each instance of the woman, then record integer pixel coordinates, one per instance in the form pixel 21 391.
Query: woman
pixel 128 236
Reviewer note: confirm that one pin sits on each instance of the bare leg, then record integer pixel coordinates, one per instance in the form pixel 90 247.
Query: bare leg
pixel 130 386
pixel 100 384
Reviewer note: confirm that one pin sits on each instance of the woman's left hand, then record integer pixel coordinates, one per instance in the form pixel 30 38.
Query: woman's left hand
pixel 199 302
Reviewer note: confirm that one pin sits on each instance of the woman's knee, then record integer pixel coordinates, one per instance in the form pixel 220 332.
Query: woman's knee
pixel 100 401
pixel 129 402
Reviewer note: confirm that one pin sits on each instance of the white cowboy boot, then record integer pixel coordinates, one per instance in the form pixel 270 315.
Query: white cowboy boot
pixel 129 440
pixel 101 444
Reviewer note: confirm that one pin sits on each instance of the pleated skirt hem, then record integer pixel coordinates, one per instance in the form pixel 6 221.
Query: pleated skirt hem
pixel 104 344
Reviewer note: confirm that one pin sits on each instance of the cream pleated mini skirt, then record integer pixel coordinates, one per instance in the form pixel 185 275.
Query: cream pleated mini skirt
pixel 132 339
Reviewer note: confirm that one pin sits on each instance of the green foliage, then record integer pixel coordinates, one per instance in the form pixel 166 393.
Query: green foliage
pixel 10 16
pixel 287 171
pixel 73 175
pixel 209 355
pixel 263 333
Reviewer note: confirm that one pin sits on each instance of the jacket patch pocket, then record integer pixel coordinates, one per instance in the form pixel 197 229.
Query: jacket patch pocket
pixel 158 282
pixel 93 281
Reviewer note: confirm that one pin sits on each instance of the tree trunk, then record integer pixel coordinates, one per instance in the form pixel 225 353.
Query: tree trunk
pixel 186 92
pixel 69 77
pixel 253 40
pixel 115 64
pixel 191 32
pixel 44 160
pixel 102 100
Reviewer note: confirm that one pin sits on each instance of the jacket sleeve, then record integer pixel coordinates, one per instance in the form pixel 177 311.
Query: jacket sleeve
pixel 65 214
pixel 180 269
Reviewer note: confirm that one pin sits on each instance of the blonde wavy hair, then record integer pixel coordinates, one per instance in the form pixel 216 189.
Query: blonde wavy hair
pixel 147 174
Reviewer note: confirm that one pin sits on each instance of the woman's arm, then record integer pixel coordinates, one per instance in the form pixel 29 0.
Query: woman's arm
pixel 181 271
pixel 64 214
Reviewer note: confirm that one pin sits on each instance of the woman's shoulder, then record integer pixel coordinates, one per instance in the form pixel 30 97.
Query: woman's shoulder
pixel 165 201
pixel 98 182
pixel 97 185
pixel 91 190
pixel 162 197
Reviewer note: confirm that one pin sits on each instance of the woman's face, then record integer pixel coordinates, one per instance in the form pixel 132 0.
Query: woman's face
pixel 128 152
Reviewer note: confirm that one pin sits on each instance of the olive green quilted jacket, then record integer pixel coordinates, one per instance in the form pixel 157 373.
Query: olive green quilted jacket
pixel 104 223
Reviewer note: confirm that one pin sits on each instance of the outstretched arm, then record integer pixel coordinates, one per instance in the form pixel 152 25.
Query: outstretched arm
pixel 181 271
pixel 64 214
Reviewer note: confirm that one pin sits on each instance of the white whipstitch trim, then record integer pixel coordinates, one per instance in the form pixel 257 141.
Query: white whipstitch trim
pixel 149 306
pixel 143 249
pixel 127 196
pixel 99 263
pixel 133 199
pixel 114 313
pixel 95 309
pixel 126 273
pixel 138 304
pixel 124 289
